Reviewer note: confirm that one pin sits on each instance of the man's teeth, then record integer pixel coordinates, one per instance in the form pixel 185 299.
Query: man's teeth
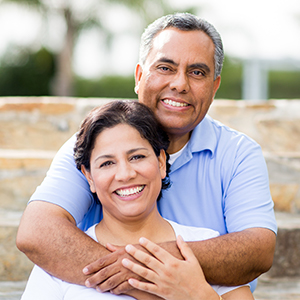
pixel 129 192
pixel 174 103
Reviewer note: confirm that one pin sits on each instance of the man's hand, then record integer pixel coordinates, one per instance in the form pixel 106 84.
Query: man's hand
pixel 108 273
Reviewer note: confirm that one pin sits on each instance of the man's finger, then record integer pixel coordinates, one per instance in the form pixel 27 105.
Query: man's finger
pixel 103 276
pixel 122 288
pixel 117 283
pixel 99 264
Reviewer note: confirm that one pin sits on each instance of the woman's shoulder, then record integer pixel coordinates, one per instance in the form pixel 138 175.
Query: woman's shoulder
pixel 192 233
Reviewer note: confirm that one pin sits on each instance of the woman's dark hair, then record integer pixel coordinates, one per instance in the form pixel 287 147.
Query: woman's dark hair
pixel 132 113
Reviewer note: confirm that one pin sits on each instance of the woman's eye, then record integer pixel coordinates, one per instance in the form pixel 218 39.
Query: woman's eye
pixel 136 157
pixel 105 164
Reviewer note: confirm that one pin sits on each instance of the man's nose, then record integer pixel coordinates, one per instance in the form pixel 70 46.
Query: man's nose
pixel 125 172
pixel 180 82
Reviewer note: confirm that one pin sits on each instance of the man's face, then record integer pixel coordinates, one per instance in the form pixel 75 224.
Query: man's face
pixel 177 80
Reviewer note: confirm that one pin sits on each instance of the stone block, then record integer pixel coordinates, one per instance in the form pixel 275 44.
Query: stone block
pixel 20 173
pixel 285 197
pixel 14 265
pixel 287 253
pixel 284 175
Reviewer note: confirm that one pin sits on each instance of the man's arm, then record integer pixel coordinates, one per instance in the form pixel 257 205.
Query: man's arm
pixel 48 236
pixel 231 259
pixel 236 258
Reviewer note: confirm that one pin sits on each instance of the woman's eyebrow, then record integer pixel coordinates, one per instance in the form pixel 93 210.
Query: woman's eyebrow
pixel 135 150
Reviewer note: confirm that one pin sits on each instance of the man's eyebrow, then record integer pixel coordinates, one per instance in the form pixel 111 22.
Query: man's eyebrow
pixel 200 66
pixel 167 60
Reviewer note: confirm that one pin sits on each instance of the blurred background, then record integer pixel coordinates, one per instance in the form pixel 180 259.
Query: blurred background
pixel 90 48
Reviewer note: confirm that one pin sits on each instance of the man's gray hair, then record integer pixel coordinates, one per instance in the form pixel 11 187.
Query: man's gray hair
pixel 186 22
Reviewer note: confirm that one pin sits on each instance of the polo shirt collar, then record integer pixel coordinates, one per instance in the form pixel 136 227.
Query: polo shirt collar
pixel 203 138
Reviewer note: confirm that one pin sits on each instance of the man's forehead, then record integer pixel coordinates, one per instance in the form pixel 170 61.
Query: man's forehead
pixel 169 34
pixel 171 39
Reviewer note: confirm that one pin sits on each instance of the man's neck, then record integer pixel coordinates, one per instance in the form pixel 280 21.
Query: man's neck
pixel 177 142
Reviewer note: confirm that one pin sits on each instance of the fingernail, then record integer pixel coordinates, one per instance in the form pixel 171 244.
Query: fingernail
pixel 128 248
pixel 130 281
pixel 87 283
pixel 85 270
pixel 125 262
pixel 142 240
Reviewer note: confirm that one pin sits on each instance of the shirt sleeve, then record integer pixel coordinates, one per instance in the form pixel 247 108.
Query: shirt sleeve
pixel 65 185
pixel 247 199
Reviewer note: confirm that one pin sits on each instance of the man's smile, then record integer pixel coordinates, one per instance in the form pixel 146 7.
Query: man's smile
pixel 175 103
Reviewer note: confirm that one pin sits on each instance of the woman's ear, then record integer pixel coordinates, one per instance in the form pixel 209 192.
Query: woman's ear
pixel 162 160
pixel 88 176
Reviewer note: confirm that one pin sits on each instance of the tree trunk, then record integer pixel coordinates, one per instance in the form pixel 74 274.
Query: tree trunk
pixel 63 80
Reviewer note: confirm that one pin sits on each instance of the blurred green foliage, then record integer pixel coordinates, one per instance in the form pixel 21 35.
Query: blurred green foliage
pixel 231 80
pixel 31 74
pixel 107 86
pixel 284 85
pixel 26 74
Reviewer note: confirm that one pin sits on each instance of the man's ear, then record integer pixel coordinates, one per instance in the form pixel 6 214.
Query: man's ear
pixel 88 176
pixel 216 86
pixel 162 159
pixel 138 75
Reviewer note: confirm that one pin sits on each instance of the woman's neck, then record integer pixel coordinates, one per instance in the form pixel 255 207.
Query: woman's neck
pixel 128 231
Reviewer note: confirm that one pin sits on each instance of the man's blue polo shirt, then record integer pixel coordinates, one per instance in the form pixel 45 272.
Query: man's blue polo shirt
pixel 220 181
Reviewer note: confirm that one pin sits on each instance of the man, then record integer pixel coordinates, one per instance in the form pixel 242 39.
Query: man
pixel 219 177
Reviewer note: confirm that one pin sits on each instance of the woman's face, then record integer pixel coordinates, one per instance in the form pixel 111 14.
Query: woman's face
pixel 125 173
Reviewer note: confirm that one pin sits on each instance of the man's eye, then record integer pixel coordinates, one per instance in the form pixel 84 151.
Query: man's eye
pixel 197 72
pixel 164 68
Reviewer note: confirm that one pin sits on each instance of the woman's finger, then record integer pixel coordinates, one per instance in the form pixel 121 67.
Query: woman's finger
pixel 143 257
pixel 139 270
pixel 185 250
pixel 157 251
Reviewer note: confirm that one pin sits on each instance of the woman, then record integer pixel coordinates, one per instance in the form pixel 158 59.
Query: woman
pixel 120 149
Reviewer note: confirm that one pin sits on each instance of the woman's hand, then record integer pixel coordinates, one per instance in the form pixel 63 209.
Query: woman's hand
pixel 169 277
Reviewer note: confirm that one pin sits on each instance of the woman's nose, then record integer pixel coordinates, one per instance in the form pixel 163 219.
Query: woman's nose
pixel 125 172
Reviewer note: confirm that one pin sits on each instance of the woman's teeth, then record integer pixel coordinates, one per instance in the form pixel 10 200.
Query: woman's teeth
pixel 129 192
